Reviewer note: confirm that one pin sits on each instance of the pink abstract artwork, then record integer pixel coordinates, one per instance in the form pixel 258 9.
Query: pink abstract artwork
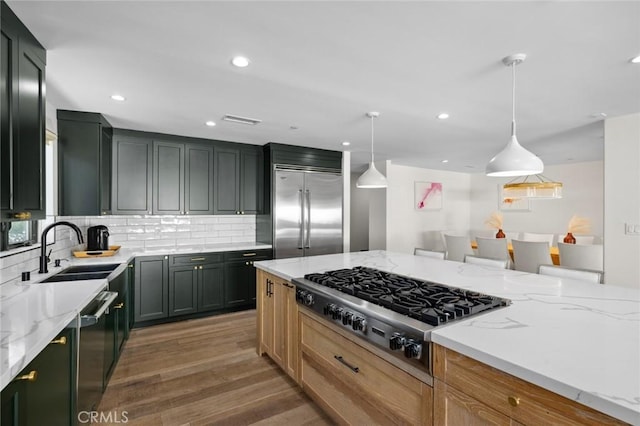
pixel 428 195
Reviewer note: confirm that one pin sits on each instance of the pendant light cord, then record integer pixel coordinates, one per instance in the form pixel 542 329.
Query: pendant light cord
pixel 513 99
pixel 372 118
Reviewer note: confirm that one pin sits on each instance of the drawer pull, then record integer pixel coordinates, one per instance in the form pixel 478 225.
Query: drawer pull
pixel 195 259
pixel 22 215
pixel 60 341
pixel 342 361
pixel 288 285
pixel 32 376
pixel 118 306
pixel 513 401
pixel 248 254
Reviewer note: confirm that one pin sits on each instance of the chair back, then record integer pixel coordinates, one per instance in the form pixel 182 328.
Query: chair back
pixel 580 256
pixel 493 248
pixel 529 255
pixel 493 263
pixel 457 247
pixel 429 253
pixel 528 236
pixel 578 274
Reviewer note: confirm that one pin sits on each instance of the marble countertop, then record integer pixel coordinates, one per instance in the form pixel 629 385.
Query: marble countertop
pixel 33 313
pixel 577 339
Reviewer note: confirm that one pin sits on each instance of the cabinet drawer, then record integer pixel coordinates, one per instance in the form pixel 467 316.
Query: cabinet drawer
pixel 517 399
pixel 195 259
pixel 247 255
pixel 386 393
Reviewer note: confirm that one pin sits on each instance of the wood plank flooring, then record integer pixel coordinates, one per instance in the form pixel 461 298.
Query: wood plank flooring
pixel 204 372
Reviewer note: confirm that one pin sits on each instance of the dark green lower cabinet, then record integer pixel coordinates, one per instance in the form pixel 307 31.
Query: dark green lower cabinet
pixel 239 284
pixel 43 393
pixel 211 287
pixel 183 290
pixel 116 324
pixel 151 289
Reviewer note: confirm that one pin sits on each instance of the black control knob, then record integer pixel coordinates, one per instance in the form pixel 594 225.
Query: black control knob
pixel 336 314
pixel 347 318
pixel 309 299
pixel 300 295
pixel 396 342
pixel 359 324
pixel 412 349
pixel 328 309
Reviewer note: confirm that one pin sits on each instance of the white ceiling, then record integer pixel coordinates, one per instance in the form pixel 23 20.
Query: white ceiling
pixel 322 65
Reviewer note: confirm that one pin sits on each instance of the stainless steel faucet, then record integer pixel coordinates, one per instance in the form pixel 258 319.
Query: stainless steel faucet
pixel 44 259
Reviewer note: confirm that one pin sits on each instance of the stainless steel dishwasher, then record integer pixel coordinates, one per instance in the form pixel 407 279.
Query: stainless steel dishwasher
pixel 91 326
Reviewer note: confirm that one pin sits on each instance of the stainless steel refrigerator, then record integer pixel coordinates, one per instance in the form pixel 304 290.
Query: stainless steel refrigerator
pixel 307 212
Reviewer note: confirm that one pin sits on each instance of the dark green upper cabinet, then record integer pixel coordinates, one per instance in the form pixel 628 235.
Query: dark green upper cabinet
pixel 182 178
pixel 238 187
pixel 22 87
pixel 132 165
pixel 84 164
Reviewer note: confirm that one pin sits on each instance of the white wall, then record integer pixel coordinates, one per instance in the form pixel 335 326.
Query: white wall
pixel 360 199
pixel 346 201
pixel 409 228
pixel 378 214
pixel 622 200
pixel 582 196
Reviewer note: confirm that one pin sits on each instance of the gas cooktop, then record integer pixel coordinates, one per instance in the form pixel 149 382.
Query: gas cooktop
pixel 392 311
pixel 429 302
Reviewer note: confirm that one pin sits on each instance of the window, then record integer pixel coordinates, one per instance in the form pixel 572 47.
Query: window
pixel 19 234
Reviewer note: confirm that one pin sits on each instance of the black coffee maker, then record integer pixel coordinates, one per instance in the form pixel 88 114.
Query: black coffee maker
pixel 97 238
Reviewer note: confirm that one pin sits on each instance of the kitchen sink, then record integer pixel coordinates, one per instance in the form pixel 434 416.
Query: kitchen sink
pixel 76 277
pixel 90 268
pixel 83 272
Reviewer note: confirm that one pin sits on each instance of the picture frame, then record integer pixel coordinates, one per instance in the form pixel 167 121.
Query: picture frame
pixel 428 196
pixel 512 204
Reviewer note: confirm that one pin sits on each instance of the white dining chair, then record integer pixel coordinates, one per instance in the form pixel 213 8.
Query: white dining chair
pixel 429 253
pixel 528 236
pixel 483 261
pixel 582 256
pixel 529 255
pixel 493 248
pixel 564 272
pixel 457 247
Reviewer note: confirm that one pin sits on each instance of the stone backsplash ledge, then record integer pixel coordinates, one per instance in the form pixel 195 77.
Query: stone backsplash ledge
pixel 145 231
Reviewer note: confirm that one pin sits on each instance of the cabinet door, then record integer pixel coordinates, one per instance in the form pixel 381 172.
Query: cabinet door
pixel 151 288
pixel 106 142
pixel 50 395
pixel 8 68
pixel 291 322
pixel 265 314
pixel 279 307
pixel 452 407
pixel 211 287
pixel 250 182
pixel 183 290
pixel 239 277
pixel 198 179
pixel 132 161
pixel 168 178
pixel 227 181
pixel 13 408
pixel 29 163
pixel 110 336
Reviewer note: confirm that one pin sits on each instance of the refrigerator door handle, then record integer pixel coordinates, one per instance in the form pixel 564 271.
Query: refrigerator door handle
pixel 308 196
pixel 301 222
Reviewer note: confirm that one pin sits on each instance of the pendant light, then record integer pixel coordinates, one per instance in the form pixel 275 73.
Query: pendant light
pixel 514 160
pixel 372 178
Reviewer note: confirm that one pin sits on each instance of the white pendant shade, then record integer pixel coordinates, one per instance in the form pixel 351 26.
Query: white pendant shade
pixel 514 160
pixel 372 178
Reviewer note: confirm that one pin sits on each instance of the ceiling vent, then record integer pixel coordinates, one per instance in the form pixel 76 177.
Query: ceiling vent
pixel 241 120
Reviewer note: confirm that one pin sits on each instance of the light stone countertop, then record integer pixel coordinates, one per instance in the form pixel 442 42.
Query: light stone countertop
pixel 574 338
pixel 33 313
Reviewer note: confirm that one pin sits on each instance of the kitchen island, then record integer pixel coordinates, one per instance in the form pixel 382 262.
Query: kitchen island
pixel 577 340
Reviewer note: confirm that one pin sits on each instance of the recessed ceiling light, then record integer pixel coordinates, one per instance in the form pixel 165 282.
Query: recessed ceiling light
pixel 210 123
pixel 443 116
pixel 445 161
pixel 346 143
pixel 636 60
pixel 240 61
pixel 119 98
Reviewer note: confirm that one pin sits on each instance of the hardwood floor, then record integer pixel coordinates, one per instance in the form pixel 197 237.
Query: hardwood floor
pixel 204 372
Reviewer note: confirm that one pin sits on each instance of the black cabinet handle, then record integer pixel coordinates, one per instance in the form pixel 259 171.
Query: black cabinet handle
pixel 288 285
pixel 342 361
